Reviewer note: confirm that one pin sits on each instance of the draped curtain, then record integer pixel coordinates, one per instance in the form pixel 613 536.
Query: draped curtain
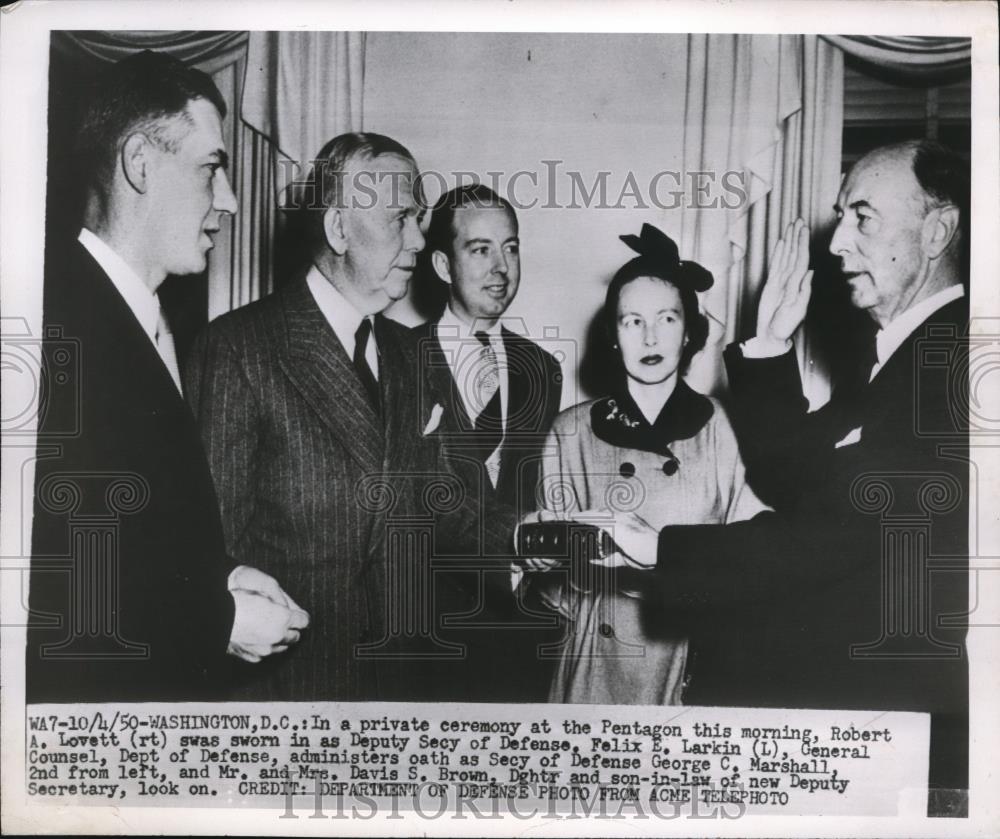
pixel 916 59
pixel 286 94
pixel 770 108
pixel 301 90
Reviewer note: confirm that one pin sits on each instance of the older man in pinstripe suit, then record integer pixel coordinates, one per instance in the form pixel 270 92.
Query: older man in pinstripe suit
pixel 321 451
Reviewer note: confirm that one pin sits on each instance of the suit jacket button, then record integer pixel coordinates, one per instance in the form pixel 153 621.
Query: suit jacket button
pixel 606 630
pixel 626 470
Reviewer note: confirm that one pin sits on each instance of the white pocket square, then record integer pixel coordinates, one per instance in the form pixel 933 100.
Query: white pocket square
pixel 853 438
pixel 434 421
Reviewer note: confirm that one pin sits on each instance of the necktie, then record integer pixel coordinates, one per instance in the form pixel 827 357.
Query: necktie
pixel 489 422
pixel 869 354
pixel 854 392
pixel 165 347
pixel 361 337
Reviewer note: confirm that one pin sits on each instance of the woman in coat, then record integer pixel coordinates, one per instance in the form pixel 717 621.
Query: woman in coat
pixel 654 446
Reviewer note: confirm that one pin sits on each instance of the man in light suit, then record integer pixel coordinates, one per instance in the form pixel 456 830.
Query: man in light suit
pixel 132 594
pixel 501 392
pixel 855 594
pixel 322 449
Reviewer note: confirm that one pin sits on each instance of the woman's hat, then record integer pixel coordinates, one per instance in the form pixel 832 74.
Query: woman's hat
pixel 659 257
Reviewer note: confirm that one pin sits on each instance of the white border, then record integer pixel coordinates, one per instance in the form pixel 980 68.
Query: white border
pixel 23 95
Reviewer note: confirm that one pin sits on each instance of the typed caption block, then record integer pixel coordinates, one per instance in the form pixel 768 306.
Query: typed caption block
pixel 337 760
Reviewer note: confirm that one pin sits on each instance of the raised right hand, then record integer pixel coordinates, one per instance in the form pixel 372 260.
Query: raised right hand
pixel 785 297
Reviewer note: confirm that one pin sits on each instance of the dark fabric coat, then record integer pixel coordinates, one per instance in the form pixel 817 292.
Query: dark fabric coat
pixel 502 634
pixel 126 520
pixel 853 594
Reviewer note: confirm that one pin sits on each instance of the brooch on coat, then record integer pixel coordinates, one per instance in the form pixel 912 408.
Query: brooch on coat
pixel 617 414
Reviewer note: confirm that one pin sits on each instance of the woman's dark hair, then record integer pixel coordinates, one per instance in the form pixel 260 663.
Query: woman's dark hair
pixel 658 259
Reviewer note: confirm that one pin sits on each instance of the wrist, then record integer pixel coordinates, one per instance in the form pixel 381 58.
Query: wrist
pixel 762 346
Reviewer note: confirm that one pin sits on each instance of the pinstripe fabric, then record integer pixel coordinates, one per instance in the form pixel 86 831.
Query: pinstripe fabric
pixel 316 491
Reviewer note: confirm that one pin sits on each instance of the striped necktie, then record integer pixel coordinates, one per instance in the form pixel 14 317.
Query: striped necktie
pixel 489 422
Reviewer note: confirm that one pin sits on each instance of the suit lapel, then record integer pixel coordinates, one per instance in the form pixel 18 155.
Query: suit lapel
pixel 151 385
pixel 318 366
pixel 398 395
pixel 519 374
pixel 894 387
pixel 442 383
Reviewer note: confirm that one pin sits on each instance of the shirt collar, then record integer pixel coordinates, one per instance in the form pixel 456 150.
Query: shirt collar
pixel 343 318
pixel 142 302
pixel 890 338
pixel 449 320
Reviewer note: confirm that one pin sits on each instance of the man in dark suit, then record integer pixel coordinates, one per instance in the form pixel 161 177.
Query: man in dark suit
pixel 854 594
pixel 132 596
pixel 322 449
pixel 500 393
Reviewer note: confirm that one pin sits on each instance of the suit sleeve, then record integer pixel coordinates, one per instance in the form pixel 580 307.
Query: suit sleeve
pixel 777 435
pixel 224 405
pixel 757 561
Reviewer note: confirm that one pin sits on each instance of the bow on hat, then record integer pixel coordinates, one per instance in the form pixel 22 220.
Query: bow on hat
pixel 659 257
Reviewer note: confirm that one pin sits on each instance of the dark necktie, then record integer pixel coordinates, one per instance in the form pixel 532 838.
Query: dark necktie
pixel 361 338
pixel 869 354
pixel 489 423
pixel 855 388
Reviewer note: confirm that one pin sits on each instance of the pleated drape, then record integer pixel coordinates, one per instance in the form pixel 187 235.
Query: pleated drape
pixel 928 60
pixel 768 109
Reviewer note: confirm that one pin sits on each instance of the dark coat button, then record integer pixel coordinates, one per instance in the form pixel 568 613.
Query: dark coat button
pixel 626 470
pixel 606 630
pixel 670 468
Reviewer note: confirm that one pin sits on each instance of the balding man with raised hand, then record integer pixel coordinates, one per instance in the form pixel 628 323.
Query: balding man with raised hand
pixel 853 594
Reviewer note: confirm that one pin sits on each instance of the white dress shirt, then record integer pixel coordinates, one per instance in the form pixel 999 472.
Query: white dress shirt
pixel 143 303
pixel 890 337
pixel 343 318
pixel 461 349
pixel 463 352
